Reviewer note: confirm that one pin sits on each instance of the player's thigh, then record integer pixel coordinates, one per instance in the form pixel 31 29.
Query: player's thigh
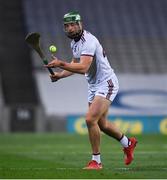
pixel 98 107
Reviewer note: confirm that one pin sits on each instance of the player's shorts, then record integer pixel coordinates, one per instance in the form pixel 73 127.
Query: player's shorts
pixel 107 89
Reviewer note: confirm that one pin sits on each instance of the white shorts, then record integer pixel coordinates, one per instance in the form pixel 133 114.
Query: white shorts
pixel 107 89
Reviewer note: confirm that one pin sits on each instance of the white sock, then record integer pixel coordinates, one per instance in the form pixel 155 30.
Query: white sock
pixel 96 157
pixel 125 141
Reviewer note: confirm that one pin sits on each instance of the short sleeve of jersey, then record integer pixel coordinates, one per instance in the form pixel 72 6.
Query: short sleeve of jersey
pixel 89 47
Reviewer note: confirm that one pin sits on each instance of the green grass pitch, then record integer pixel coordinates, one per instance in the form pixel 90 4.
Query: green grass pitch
pixel 64 155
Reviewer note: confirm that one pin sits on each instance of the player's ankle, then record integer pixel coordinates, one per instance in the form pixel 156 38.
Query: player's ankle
pixel 96 157
pixel 125 142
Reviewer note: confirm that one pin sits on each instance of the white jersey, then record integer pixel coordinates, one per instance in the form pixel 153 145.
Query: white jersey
pixel 100 69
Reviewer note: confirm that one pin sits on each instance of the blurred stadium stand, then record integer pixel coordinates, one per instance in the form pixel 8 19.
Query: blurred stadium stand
pixel 17 80
pixel 1 103
pixel 17 77
pixel 133 32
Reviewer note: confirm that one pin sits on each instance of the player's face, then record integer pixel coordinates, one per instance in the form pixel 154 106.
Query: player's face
pixel 73 30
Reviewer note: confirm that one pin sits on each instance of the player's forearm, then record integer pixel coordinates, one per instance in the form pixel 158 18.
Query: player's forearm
pixel 80 68
pixel 73 67
pixel 66 73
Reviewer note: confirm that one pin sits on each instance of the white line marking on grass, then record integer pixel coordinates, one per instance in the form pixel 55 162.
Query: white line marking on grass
pixel 37 168
pixel 75 168
pixel 112 152
pixel 24 168
pixel 139 169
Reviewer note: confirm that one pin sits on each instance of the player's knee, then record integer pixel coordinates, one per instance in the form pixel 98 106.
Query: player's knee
pixel 91 119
